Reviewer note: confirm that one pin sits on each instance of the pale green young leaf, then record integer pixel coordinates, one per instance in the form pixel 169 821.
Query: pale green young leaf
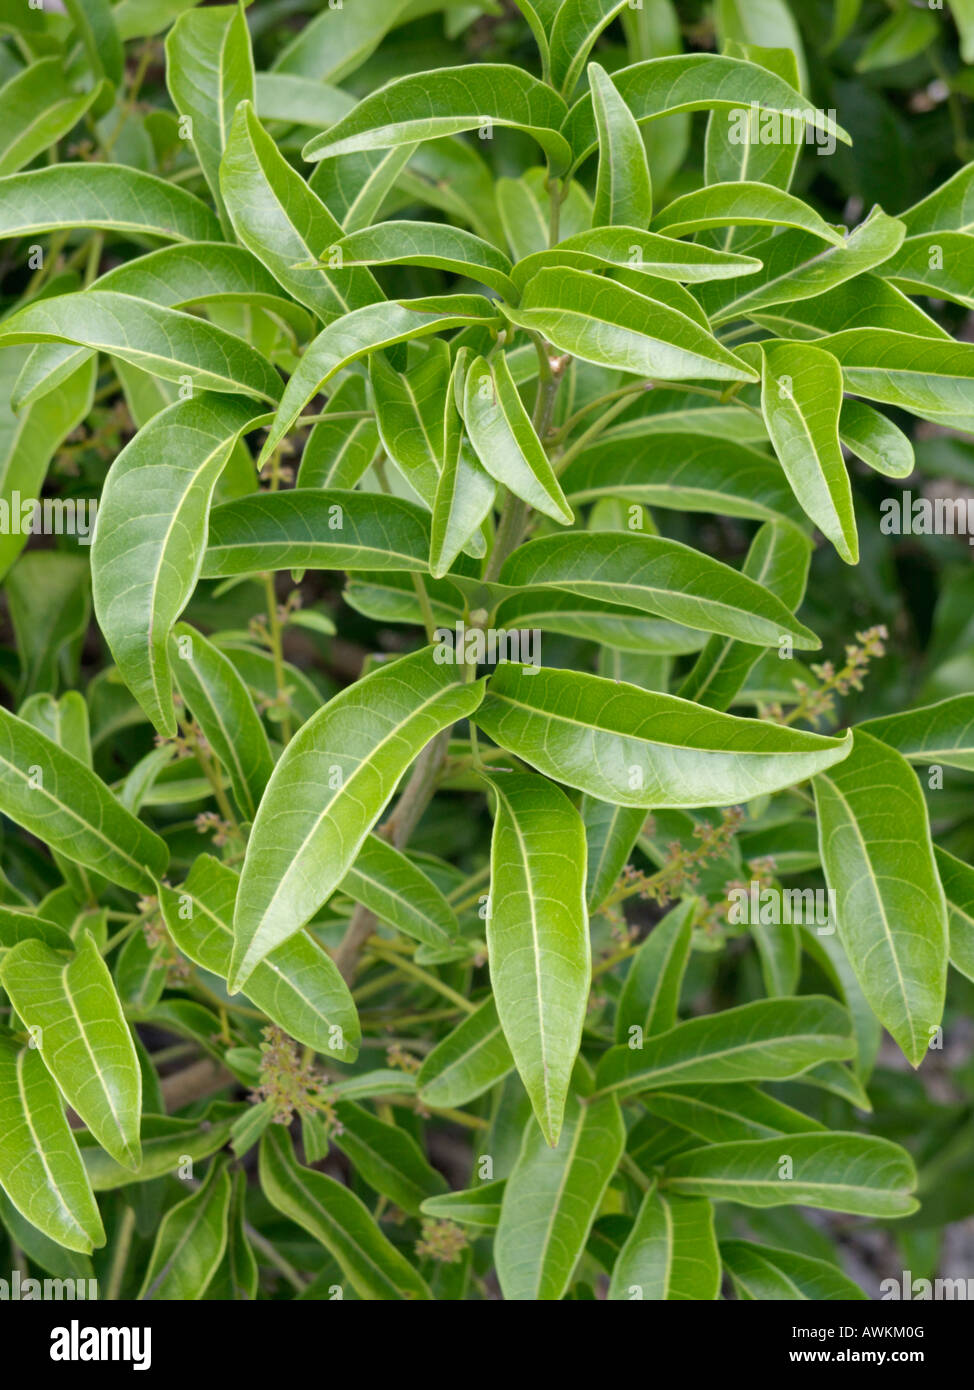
pixel 872 437
pixel 741 204
pixel 109 197
pixel 37 107
pixel 624 190
pixel 631 247
pixel 452 249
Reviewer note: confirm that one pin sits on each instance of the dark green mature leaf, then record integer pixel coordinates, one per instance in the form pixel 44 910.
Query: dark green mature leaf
pixel 40 1166
pixel 285 224
pixel 537 936
pixel 297 984
pixel 191 1242
pixel 958 884
pixel 650 996
pixel 387 1158
pixel 553 1196
pixel 940 733
pixel 891 915
pixel 468 1061
pixel 106 196
pixel 638 748
pixel 760 1272
pixel 425 105
pixel 306 528
pixel 38 107
pixel 78 1028
pixel 768 1040
pixel 836 1172
pixel 330 787
pixel 670 1253
pixel 55 796
pixel 658 576
pixel 338 1220
pixel 151 535
pixel 607 323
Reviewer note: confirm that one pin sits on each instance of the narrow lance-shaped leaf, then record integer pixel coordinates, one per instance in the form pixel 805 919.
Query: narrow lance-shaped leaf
pixel 164 342
pixel 285 224
pixel 872 437
pixel 607 323
pixel 537 936
pixel 465 491
pixel 40 1166
pixel 335 1217
pixel 58 798
pixel 552 1198
pixel 95 25
pixel 425 105
pixel 151 534
pixel 650 996
pixel 741 204
pixel 409 414
pixel 505 441
pixel 778 559
pixel 801 399
pixel 468 1061
pixel 386 1157
pixel 624 191
pixel 874 836
pixel 110 197
pixel 610 834
pixel 941 733
pixel 398 892
pixel 638 748
pixel 79 1029
pixel 657 576
pixel 37 108
pixel 363 331
pixel 311 528
pixel 577 25
pixel 332 783
pixel 191 1241
pixel 670 1253
pixel 764 1041
pixel 759 1272
pixel 428 243
pixel 835 1172
pixel 221 705
pixel 931 378
pixel 209 71
pixel 958 883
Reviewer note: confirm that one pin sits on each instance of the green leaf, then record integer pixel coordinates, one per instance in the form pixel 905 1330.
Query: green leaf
pixel 479 1207
pixel 695 82
pixel 77 1023
pixel 940 733
pixel 339 451
pixel 764 1041
pixel 635 249
pixel 801 398
pixel 339 40
pixel 940 264
pixel 670 1253
pixel 891 916
pixel 505 441
pixel 537 936
pixel 331 785
pixel 767 22
pixel 577 25
pixel 95 26
pixel 56 797
pixel 468 1061
pixel 363 331
pixel 389 884
pixel 425 105
pixel 759 1272
pixel 37 108
pixel 167 1140
pixel 834 1172
pixel 219 702
pixel 432 244
pixel 657 576
pixel 385 1157
pixel 650 996
pixel 310 528
pixel 796 267
pixel 191 1241
pixel 465 491
pixel 209 71
pixel 778 560
pixel 741 204
pixel 872 437
pixel 607 323
pixel 20 924
pixel 948 208
pixel 624 190
pixel 409 411
pixel 336 1218
pixel 151 535
pixel 610 834
pixel 40 1166
pixel 552 1197
pixel 903 36
pixel 685 473
pixel 733 148
pixel 109 197
pixel 524 206
pixel 162 341
pixel 717 1114
pixel 932 379
pixel 285 224
pixel 297 985
pixel 638 748
pixel 958 884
